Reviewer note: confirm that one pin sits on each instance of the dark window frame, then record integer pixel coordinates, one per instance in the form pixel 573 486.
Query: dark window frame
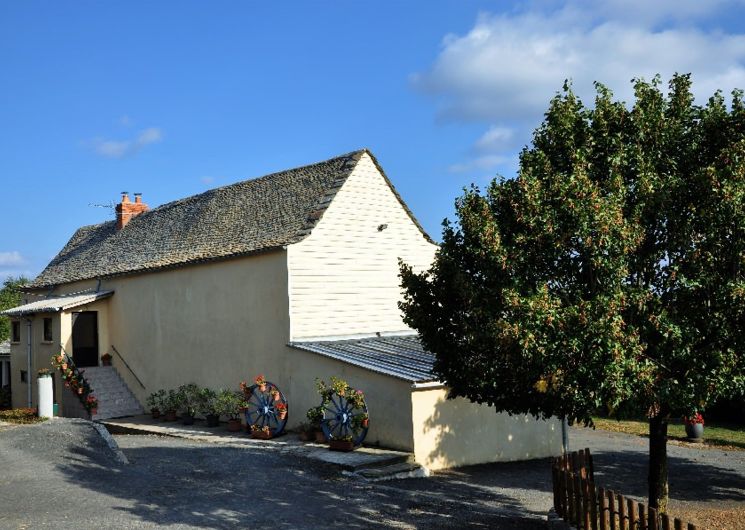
pixel 15 331
pixel 47 328
pixel 24 376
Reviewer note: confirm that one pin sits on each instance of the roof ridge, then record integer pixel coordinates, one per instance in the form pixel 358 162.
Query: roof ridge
pixel 268 176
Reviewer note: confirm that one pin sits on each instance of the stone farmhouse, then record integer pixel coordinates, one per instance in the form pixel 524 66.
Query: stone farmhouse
pixel 293 275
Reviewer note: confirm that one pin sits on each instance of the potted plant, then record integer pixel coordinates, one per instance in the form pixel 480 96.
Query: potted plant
pixel 344 443
pixel 171 405
pixel 260 381
pixel 262 433
pixel 281 409
pixel 315 416
pixel 188 397
pixel 106 359
pixel 694 427
pixel 209 406
pixel 155 402
pixel 276 396
pixel 230 403
pixel 306 432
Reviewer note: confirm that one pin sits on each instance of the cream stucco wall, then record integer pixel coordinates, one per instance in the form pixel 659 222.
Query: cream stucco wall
pixel 214 324
pixel 344 275
pixel 388 399
pixel 451 433
pixel 41 355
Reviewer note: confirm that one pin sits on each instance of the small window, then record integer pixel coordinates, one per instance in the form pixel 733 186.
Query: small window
pixel 16 331
pixel 47 330
pixel 24 376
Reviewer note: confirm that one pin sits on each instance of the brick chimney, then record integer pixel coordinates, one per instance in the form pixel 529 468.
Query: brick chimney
pixel 126 210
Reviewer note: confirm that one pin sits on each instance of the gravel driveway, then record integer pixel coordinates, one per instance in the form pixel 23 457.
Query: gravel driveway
pixel 60 474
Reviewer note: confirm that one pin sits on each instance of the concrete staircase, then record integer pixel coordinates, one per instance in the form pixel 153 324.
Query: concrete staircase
pixel 115 400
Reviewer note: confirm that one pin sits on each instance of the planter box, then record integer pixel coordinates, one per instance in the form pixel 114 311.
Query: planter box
pixel 341 445
pixel 260 435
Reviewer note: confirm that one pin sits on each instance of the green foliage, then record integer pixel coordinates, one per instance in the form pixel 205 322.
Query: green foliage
pixel 610 274
pixel 189 398
pixel 157 400
pixel 10 296
pixel 208 401
pixel 230 403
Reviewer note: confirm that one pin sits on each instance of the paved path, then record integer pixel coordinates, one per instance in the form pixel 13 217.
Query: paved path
pixel 707 486
pixel 61 474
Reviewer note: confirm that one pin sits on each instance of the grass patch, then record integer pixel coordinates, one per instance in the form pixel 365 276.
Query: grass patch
pixel 23 416
pixel 715 434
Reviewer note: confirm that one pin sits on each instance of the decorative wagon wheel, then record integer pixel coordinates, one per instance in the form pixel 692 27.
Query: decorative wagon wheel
pixel 264 409
pixel 343 418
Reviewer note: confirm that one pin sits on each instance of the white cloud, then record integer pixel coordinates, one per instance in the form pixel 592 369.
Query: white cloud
pixel 508 66
pixel 123 148
pixel 125 121
pixel 10 259
pixel 495 139
pixel 481 163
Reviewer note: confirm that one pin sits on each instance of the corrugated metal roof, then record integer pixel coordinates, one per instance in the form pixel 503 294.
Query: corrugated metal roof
pixel 401 356
pixel 54 304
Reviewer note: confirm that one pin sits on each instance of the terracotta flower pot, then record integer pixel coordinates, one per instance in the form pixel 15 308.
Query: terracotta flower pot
pixel 261 435
pixel 341 445
pixel 320 437
pixel 282 414
pixel 94 412
pixel 170 416
pixel 155 412
pixel 234 425
pixel 306 436
pixel 366 423
pixel 262 388
pixel 277 397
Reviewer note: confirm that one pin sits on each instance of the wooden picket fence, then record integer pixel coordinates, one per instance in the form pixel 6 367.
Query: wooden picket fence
pixel 578 502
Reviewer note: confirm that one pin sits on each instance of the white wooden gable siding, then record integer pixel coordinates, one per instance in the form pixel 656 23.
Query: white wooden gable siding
pixel 343 278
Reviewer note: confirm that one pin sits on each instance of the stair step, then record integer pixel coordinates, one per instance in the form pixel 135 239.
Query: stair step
pixel 115 399
pixel 395 471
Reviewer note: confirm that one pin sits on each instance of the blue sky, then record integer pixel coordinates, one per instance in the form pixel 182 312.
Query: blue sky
pixel 173 98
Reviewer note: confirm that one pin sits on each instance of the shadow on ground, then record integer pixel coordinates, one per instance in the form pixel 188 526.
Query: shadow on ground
pixel 174 482
pixel 690 480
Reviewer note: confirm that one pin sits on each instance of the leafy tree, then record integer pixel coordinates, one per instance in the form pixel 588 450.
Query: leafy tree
pixel 10 296
pixel 608 275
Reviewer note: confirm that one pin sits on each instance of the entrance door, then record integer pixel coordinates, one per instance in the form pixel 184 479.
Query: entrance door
pixel 85 338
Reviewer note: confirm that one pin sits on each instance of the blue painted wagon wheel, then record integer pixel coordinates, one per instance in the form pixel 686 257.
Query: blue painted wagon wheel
pixel 342 419
pixel 263 409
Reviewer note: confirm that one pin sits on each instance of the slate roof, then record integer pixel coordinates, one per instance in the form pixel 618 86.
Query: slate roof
pixel 402 357
pixel 240 219
pixel 55 304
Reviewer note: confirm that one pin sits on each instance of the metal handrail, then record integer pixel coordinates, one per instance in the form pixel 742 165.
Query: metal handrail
pixel 128 367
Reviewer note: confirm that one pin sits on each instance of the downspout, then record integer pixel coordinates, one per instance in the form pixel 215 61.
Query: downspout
pixel 29 378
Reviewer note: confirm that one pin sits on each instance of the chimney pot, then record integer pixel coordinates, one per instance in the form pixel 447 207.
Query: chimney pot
pixel 126 210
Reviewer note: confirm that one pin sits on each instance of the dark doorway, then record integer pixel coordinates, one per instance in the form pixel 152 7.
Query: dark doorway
pixel 85 338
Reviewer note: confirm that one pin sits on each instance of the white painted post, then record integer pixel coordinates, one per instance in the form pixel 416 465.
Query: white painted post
pixel 46 396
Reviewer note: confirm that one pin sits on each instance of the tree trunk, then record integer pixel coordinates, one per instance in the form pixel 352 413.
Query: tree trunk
pixel 658 487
